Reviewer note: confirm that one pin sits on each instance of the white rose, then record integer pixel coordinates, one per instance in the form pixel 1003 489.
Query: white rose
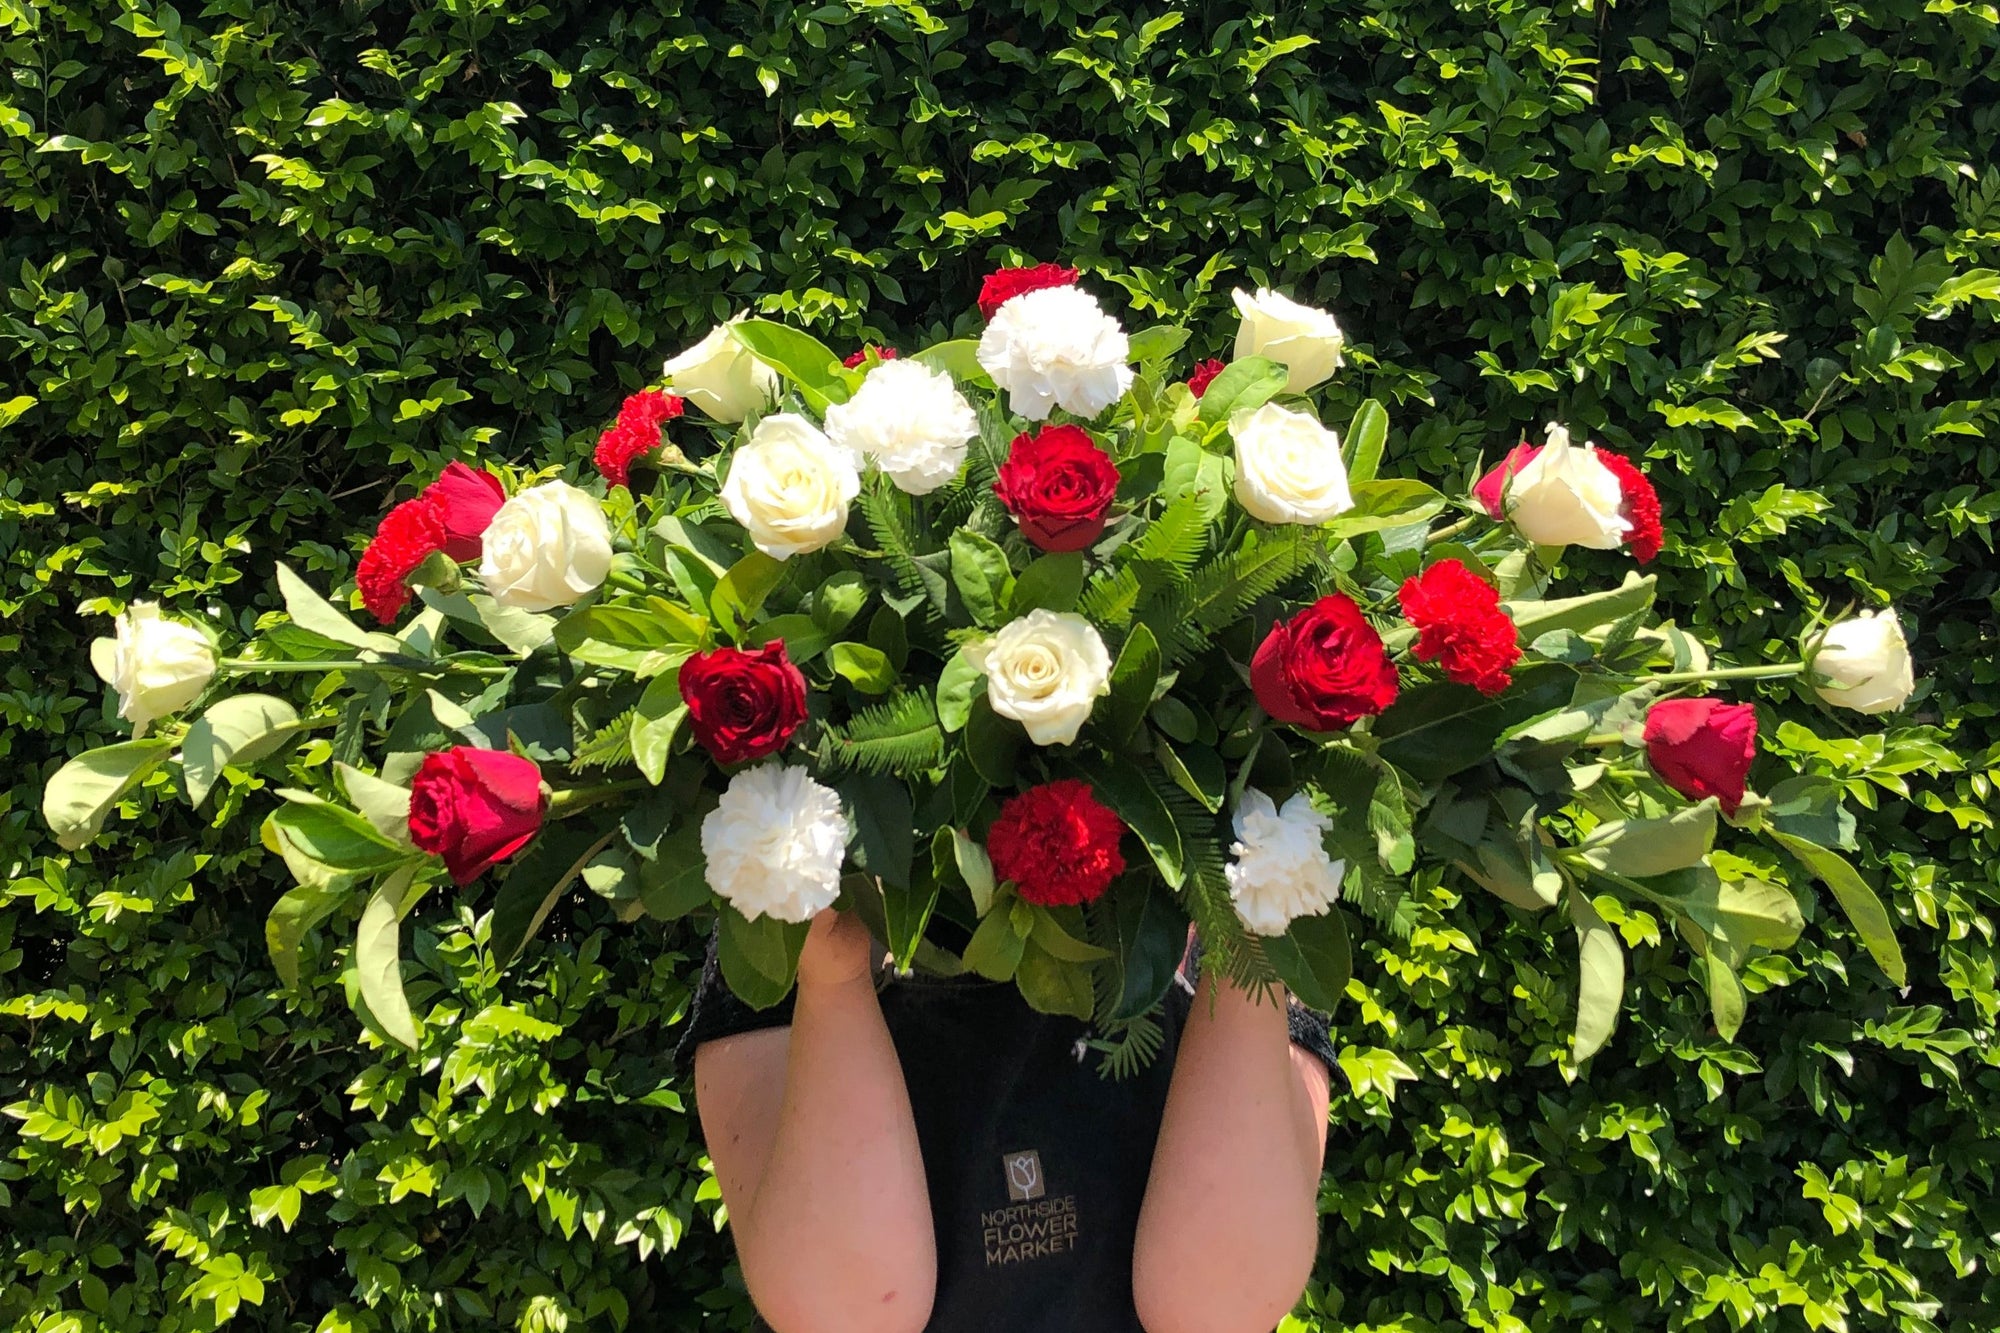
pixel 722 379
pixel 774 844
pixel 157 665
pixel 911 420
pixel 1303 339
pixel 1056 348
pixel 1279 868
pixel 547 547
pixel 1865 663
pixel 1045 670
pixel 1288 466
pixel 790 486
pixel 1565 497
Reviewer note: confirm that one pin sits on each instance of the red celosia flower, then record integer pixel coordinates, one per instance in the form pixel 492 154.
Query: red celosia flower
pixel 1641 506
pixel 1460 626
pixel 1057 843
pixel 881 354
pixel 1005 284
pixel 1204 374
pixel 1702 747
pixel 406 537
pixel 635 434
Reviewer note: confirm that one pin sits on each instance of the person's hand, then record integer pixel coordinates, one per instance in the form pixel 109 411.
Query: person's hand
pixel 838 949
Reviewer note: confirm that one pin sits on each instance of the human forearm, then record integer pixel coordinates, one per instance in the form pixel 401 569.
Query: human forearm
pixel 1229 1228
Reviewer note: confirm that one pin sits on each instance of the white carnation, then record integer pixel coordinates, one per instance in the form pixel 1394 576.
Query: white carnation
pixel 1303 339
pixel 1288 466
pixel 1279 869
pixel 1045 670
pixel 911 421
pixel 1864 664
pixel 547 547
pixel 158 666
pixel 775 843
pixel 1565 496
pixel 1056 348
pixel 790 486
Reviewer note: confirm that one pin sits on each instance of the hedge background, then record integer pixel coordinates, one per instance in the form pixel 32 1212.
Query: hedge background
pixel 267 265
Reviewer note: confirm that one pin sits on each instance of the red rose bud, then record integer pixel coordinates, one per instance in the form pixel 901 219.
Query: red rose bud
pixel 635 434
pixel 854 359
pixel 1640 507
pixel 1204 375
pixel 1058 485
pixel 475 807
pixel 743 705
pixel 1492 488
pixel 1323 669
pixel 1460 626
pixel 466 499
pixel 1007 283
pixel 407 536
pixel 1057 843
pixel 1702 747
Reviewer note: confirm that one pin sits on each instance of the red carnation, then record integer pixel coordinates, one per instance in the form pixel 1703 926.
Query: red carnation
pixel 1641 507
pixel 407 536
pixel 1323 669
pixel 1204 375
pixel 1057 843
pixel 474 807
pixel 1005 284
pixel 1460 626
pixel 1058 485
pixel 635 434
pixel 1702 747
pixel 743 705
pixel 466 499
pixel 881 354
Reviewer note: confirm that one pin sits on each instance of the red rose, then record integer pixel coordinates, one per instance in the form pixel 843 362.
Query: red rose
pixel 1058 485
pixel 1460 626
pixel 1639 502
pixel 635 434
pixel 1057 843
pixel 406 537
pixel 743 705
pixel 1702 747
pixel 881 354
pixel 466 499
pixel 1323 669
pixel 1007 283
pixel 474 807
pixel 1204 375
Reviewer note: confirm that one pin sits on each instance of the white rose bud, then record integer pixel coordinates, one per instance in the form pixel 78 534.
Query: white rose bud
pixel 1288 466
pixel 1045 670
pixel 790 486
pixel 774 844
pixel 158 666
pixel 1056 348
pixel 1279 869
pixel 1303 339
pixel 547 547
pixel 1865 664
pixel 722 379
pixel 911 420
pixel 1566 497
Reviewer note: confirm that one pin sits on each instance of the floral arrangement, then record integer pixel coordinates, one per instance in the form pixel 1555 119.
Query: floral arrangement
pixel 1025 649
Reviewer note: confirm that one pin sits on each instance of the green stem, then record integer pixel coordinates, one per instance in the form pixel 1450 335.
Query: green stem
pixel 1449 531
pixel 1770 671
pixel 572 799
pixel 249 666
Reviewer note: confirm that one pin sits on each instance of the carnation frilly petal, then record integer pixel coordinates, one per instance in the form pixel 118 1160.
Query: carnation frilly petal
pixel 1056 348
pixel 911 421
pixel 774 844
pixel 1278 869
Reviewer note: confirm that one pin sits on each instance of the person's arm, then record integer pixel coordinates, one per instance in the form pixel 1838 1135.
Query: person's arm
pixel 816 1152
pixel 1230 1225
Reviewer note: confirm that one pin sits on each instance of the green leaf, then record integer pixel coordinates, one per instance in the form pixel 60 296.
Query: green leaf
pixel 804 639
pixel 760 959
pixel 957 684
pixel 1639 848
pixel 378 956
pixel 1725 995
pixel 536 880
pixel 1195 769
pixel 993 743
pixel 1379 505
pixel 656 721
pixel 83 790
pixel 1865 912
pixel 1150 938
pixel 1810 808
pixel 1134 678
pixel 1242 385
pixel 804 360
pixel 1313 958
pixel 866 667
pixel 959 359
pixel 336 837
pixel 1156 343
pixel 985 583
pixel 996 947
pixel 238 730
pixel 975 867
pixel 1051 986
pixel 383 804
pixel 1600 977
pixel 1052 582
pixel 838 601
pixel 312 612
pixel 624 638
pixel 1049 936
pixel 297 912
pixel 880 812
pixel 1124 789
pixel 675 882
pixel 1440 729
pixel 739 594
pixel 523 633
pixel 1582 614
pixel 1366 434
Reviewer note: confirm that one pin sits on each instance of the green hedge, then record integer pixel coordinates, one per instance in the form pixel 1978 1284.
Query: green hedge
pixel 264 265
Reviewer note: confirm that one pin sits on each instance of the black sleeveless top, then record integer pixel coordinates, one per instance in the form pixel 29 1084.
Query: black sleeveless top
pixel 1037 1164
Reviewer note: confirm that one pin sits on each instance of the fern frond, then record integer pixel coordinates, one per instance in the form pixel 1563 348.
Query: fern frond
pixel 1223 589
pixel 900 736
pixel 1206 894
pixel 1176 539
pixel 1128 1045
pixel 1112 597
pixel 608 747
